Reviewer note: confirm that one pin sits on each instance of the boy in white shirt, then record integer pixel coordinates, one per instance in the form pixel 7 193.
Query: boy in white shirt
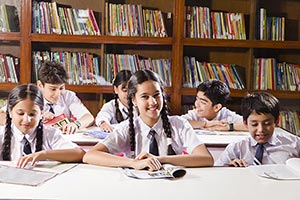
pixel 263 145
pixel 58 100
pixel 210 113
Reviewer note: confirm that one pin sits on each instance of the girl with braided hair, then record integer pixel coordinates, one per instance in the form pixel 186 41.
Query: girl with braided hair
pixel 153 138
pixel 116 110
pixel 25 139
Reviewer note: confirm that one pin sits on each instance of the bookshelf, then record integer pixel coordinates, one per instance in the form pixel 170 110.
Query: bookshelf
pixel 174 47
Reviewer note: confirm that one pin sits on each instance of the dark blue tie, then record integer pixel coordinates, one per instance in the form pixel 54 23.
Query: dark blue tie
pixel 259 154
pixel 153 148
pixel 51 107
pixel 27 148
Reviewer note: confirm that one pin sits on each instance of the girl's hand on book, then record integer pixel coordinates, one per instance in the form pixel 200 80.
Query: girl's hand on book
pixel 29 161
pixel 152 164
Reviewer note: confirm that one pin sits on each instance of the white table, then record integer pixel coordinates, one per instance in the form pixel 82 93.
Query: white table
pixel 94 182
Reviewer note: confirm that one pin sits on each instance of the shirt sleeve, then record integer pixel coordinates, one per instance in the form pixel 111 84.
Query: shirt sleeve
pixel 191 115
pixel 54 139
pixel 227 155
pixel 106 113
pixel 77 108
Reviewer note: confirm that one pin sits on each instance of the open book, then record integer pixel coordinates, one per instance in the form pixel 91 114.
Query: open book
pixel 168 171
pixel 288 171
pixel 41 172
pixel 58 121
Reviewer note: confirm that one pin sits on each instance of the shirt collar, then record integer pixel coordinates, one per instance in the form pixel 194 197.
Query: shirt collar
pixel 272 141
pixel 19 135
pixel 145 129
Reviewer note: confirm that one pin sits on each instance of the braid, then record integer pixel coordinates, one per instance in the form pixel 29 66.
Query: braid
pixel 7 139
pixel 39 137
pixel 131 127
pixel 166 126
pixel 119 115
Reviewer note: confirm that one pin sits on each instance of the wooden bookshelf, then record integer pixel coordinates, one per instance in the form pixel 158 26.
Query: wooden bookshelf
pixel 175 47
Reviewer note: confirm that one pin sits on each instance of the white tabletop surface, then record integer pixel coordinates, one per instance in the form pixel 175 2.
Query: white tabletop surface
pixel 94 182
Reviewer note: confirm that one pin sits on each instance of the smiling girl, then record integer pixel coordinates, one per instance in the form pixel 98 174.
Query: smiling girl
pixel 153 138
pixel 25 139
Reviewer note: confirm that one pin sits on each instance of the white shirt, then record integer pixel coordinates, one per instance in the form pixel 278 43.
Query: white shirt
pixel 278 149
pixel 183 137
pixel 52 139
pixel 224 114
pixel 68 103
pixel 108 113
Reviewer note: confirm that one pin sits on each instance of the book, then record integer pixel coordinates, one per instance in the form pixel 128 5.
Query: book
pixel 58 121
pixel 168 171
pixel 288 171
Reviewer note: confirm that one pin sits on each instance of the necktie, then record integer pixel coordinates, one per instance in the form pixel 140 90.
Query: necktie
pixel 259 155
pixel 27 148
pixel 153 148
pixel 51 107
pixel 125 111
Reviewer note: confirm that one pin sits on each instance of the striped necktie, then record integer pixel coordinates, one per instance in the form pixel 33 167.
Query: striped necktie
pixel 26 148
pixel 153 148
pixel 259 154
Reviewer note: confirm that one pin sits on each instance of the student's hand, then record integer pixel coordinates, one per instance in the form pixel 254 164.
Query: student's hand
pixel 151 161
pixel 31 159
pixel 216 126
pixel 47 116
pixel 238 163
pixel 70 128
pixel 104 126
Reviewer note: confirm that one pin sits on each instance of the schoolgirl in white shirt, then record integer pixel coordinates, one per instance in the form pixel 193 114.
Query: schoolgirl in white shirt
pixel 25 138
pixel 116 110
pixel 173 134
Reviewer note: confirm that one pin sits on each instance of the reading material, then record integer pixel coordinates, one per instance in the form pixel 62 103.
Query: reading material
pixel 168 171
pixel 42 172
pixel 58 121
pixel 288 171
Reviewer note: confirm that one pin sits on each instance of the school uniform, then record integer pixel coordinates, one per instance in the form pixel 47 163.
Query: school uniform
pixel 224 114
pixel 69 104
pixel 183 137
pixel 277 150
pixel 108 113
pixel 52 139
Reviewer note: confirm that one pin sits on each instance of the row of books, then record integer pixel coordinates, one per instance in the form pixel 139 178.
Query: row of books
pixel 9 69
pixel 82 68
pixel 9 18
pixel 270 28
pixel 270 75
pixel 116 62
pixel 200 22
pixel 290 120
pixel 53 18
pixel 134 20
pixel 196 72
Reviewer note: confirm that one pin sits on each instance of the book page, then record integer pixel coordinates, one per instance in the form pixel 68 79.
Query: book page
pixel 21 176
pixel 276 171
pixel 168 171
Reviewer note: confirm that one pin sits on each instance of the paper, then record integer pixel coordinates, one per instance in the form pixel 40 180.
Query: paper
pixel 288 171
pixel 168 171
pixel 20 176
pixel 206 132
pixel 97 134
pixel 42 172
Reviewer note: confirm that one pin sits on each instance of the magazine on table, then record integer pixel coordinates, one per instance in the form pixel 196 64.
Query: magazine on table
pixel 288 171
pixel 58 121
pixel 168 171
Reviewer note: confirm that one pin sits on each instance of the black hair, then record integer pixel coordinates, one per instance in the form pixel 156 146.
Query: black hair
pixel 20 93
pixel 216 91
pixel 52 72
pixel 138 78
pixel 260 102
pixel 122 78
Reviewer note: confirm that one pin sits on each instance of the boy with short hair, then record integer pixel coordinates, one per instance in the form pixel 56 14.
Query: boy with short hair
pixel 58 100
pixel 210 113
pixel 263 145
